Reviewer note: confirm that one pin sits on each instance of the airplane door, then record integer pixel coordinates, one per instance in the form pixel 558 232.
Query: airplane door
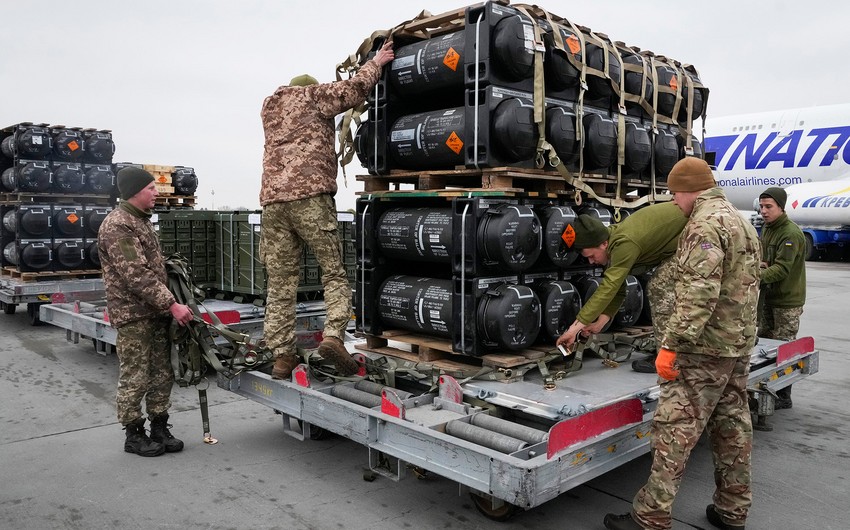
pixel 787 123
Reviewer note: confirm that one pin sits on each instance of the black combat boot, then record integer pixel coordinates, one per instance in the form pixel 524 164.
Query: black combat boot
pixel 138 442
pixel 621 522
pixel 716 520
pixel 161 434
pixel 645 366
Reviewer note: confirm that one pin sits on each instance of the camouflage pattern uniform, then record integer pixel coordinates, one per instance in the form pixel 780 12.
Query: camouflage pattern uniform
pixel 298 185
pixel 137 301
pixel 712 330
pixel 661 290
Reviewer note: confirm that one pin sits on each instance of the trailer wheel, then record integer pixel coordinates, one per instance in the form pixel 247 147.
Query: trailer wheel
pixel 32 312
pixel 484 504
pixel 9 309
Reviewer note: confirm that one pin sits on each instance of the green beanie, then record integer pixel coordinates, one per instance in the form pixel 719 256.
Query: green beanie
pixel 303 80
pixel 777 194
pixel 590 232
pixel 132 180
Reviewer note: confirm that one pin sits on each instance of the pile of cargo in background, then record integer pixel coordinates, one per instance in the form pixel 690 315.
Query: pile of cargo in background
pixel 58 185
pixel 223 251
pixel 515 121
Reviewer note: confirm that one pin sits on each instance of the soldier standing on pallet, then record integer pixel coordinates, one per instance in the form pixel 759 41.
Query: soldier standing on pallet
pixel 704 358
pixel 297 196
pixel 643 240
pixel 141 308
pixel 783 275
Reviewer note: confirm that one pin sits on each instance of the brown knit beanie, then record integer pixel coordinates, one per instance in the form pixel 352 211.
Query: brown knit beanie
pixel 690 174
pixel 590 232
pixel 132 180
pixel 777 194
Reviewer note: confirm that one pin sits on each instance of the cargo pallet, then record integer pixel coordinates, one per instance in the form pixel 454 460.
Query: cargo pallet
pixel 560 437
pixel 508 180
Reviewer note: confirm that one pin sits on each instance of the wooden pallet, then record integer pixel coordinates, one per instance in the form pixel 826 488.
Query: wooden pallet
pixel 531 182
pixel 34 276
pixel 55 198
pixel 423 348
pixel 179 201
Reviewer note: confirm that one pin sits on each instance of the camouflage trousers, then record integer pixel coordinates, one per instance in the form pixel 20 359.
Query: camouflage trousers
pixel 709 393
pixel 661 291
pixel 780 323
pixel 144 369
pixel 286 227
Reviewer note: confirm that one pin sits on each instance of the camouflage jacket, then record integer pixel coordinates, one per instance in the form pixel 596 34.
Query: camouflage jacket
pixel 299 159
pixel 133 266
pixel 717 282
pixel 641 241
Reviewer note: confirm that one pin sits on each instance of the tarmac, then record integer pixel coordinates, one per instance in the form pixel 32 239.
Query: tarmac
pixel 62 463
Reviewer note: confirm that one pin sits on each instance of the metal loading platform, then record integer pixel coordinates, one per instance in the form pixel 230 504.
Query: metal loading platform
pixel 548 441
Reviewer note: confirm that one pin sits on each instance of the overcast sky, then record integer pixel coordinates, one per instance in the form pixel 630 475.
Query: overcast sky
pixel 181 82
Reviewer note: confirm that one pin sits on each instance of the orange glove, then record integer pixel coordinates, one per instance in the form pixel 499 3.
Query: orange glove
pixel 664 364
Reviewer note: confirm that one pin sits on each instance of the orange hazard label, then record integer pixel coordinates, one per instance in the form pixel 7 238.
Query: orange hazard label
pixel 73 218
pixel 451 59
pixel 73 146
pixel 573 44
pixel 674 84
pixel 455 143
pixel 569 236
pixel 163 179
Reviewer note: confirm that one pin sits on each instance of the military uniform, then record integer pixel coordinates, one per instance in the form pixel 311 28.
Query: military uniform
pixel 712 330
pixel 641 241
pixel 138 302
pixel 298 185
pixel 783 282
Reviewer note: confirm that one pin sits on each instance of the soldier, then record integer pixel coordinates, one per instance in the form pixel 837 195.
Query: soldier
pixel 704 357
pixel 783 275
pixel 643 240
pixel 140 307
pixel 297 196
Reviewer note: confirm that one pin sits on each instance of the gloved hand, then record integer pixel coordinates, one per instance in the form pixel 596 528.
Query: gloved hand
pixel 664 364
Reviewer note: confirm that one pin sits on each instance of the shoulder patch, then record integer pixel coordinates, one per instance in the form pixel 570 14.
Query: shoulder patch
pixel 128 249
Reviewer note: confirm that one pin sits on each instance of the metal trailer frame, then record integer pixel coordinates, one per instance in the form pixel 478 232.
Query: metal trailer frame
pixel 598 421
pixel 35 294
pixel 85 319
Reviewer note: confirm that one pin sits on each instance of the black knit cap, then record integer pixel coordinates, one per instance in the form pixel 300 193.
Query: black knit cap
pixel 590 232
pixel 777 194
pixel 132 180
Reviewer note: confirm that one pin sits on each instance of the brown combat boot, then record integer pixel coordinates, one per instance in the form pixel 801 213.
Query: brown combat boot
pixel 283 366
pixel 332 349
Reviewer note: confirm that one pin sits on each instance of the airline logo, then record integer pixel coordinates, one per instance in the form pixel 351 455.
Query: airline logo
pixel 795 150
pixel 838 199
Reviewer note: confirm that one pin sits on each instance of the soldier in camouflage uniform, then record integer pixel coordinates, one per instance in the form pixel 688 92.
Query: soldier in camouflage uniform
pixel 783 275
pixel 141 308
pixel 704 357
pixel 643 240
pixel 298 186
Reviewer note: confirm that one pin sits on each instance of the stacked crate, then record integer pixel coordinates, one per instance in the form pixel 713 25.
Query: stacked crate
pixel 176 185
pixel 57 185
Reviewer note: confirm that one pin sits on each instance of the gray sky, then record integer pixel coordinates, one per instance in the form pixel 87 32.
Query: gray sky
pixel 181 82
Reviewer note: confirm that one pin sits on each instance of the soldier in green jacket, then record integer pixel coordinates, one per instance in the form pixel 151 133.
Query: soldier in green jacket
pixel 783 275
pixel 643 240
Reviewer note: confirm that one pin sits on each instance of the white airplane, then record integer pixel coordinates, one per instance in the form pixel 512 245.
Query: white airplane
pixel 794 147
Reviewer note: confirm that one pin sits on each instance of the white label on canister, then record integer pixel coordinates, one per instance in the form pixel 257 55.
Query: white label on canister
pixel 403 135
pixel 253 218
pixel 528 37
pixel 403 62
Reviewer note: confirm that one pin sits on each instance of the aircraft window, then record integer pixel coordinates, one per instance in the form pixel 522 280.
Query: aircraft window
pixel 773 126
pixel 802 122
pixel 747 128
pixel 759 126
